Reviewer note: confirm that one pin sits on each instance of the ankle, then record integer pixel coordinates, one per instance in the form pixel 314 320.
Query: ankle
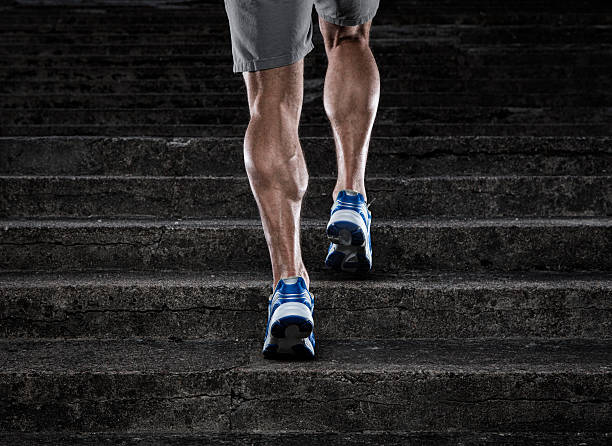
pixel 360 189
pixel 301 272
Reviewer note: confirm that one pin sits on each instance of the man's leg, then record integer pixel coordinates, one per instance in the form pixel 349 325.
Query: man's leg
pixel 352 89
pixel 275 163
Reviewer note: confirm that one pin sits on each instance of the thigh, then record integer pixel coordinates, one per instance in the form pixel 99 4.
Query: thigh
pixel 347 12
pixel 269 33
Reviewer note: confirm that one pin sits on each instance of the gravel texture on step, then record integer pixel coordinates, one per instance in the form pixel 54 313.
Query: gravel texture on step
pixel 410 156
pixel 314 438
pixel 315 130
pixel 219 33
pixel 233 306
pixel 555 244
pixel 391 99
pixel 234 87
pixel 213 196
pixel 387 116
pixel 414 385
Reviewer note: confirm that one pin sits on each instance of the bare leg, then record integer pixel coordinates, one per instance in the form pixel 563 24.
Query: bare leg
pixel 352 89
pixel 275 163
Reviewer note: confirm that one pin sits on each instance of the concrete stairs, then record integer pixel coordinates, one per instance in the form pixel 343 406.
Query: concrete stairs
pixel 134 272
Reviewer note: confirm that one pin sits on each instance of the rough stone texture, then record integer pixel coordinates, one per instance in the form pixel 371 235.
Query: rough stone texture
pixel 318 130
pixel 233 306
pixel 313 96
pixel 210 197
pixel 414 385
pixel 239 245
pixel 386 117
pixel 314 438
pixel 163 67
pixel 411 41
pixel 427 156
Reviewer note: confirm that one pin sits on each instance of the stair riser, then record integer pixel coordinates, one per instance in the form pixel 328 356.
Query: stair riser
pixel 232 197
pixel 234 87
pixel 396 116
pixel 297 400
pixel 173 72
pixel 346 311
pixel 312 438
pixel 393 61
pixel 197 100
pixel 314 130
pixel 460 34
pixel 387 156
pixel 194 21
pixel 242 248
pixel 385 50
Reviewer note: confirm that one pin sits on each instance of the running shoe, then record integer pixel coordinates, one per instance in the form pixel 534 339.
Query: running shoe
pixel 348 229
pixel 289 333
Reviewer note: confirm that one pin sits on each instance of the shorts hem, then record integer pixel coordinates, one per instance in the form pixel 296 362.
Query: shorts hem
pixel 273 62
pixel 349 22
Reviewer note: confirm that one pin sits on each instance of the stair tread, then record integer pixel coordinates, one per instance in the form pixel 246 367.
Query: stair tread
pixel 314 438
pixel 83 222
pixel 465 356
pixel 241 279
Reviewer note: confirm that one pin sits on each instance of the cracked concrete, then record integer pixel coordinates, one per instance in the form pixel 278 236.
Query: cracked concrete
pixel 313 438
pixel 205 305
pixel 556 244
pixel 511 155
pixel 212 197
pixel 389 385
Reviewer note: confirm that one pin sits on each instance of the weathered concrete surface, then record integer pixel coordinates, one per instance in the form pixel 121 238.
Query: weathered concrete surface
pixel 314 438
pixel 422 156
pixel 385 117
pixel 233 306
pixel 213 197
pixel 232 88
pixel 217 34
pixel 408 129
pixel 415 385
pixel 313 96
pixel 239 245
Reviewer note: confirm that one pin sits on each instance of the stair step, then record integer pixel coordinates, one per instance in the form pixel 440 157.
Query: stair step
pixel 204 50
pixel 410 385
pixel 311 130
pixel 312 87
pixel 417 156
pixel 213 196
pixel 459 33
pixel 175 72
pixel 397 116
pixel 313 438
pixel 558 244
pixel 130 100
pixel 397 56
pixel 233 305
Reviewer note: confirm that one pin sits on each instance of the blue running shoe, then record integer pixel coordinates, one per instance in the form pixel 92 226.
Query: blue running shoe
pixel 348 229
pixel 289 333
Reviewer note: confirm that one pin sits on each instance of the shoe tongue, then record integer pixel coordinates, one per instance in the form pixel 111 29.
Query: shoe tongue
pixel 351 192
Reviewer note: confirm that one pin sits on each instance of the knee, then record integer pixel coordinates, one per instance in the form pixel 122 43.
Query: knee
pixel 279 111
pixel 337 36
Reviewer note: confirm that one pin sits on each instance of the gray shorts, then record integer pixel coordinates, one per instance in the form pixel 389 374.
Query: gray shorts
pixel 273 33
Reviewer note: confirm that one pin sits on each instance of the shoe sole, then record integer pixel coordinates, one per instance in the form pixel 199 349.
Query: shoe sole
pixel 289 333
pixel 348 259
pixel 348 231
